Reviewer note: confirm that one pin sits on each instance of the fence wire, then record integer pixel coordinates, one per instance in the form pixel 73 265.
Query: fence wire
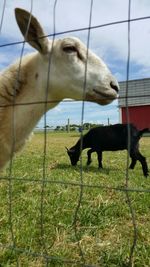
pixel 81 185
pixel 43 244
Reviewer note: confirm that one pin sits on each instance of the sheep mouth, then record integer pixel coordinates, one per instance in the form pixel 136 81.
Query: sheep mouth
pixel 101 97
pixel 105 95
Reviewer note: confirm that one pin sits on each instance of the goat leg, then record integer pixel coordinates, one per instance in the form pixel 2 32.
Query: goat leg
pixel 89 160
pixel 99 156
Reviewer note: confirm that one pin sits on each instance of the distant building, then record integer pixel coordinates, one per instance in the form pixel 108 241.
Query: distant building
pixel 138 102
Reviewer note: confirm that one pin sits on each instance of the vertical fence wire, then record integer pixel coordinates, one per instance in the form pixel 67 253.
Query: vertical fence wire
pixel 129 202
pixel 45 136
pixel 13 143
pixel 75 219
pixel 2 16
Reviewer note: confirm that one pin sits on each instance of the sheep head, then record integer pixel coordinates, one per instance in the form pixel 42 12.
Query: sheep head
pixel 75 72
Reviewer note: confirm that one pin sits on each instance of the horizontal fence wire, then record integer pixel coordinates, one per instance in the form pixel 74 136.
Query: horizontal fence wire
pixel 99 186
pixel 64 101
pixel 48 258
pixel 82 29
pixel 126 189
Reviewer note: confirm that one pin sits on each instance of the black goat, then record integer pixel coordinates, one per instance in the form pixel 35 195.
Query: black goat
pixel 110 138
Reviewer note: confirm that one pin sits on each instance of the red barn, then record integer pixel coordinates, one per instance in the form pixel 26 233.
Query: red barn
pixel 138 101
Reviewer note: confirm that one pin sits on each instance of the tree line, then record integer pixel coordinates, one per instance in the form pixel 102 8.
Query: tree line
pixel 76 127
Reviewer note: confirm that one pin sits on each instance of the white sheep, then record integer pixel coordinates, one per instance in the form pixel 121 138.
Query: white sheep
pixel 25 87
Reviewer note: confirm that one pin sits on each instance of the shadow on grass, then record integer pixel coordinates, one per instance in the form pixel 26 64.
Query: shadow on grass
pixel 64 166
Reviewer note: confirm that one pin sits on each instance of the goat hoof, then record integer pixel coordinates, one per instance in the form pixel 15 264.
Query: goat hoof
pixel 146 174
pixel 131 168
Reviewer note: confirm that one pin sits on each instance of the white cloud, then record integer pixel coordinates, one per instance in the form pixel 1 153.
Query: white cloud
pixel 72 14
pixel 109 42
pixel 73 110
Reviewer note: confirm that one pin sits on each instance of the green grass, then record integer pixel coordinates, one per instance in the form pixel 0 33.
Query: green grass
pixel 103 229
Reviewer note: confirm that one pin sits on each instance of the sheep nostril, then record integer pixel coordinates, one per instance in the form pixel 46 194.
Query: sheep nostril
pixel 114 86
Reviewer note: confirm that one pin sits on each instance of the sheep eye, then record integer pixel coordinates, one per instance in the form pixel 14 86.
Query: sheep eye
pixel 69 49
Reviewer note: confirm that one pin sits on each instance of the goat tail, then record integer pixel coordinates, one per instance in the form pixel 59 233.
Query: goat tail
pixel 145 130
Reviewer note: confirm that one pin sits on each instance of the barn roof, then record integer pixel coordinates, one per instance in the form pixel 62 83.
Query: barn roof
pixel 138 92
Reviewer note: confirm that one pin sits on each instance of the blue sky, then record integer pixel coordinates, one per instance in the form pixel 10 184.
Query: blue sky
pixel 110 43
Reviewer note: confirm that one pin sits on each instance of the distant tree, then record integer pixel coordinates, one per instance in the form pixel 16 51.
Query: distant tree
pixel 86 126
pixel 58 128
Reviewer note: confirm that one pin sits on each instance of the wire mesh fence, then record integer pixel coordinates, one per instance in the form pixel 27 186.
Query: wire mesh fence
pixel 56 216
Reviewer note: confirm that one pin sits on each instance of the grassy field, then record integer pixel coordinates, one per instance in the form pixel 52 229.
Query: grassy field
pixel 40 212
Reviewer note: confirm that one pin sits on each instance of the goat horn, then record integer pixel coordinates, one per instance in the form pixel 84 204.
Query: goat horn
pixel 66 148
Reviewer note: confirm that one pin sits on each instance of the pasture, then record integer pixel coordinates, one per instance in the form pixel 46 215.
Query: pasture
pixel 41 215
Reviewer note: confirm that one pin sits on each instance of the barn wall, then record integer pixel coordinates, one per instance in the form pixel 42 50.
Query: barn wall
pixel 139 115
pixel 138 93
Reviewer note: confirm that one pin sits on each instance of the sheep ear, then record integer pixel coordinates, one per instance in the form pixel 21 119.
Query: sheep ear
pixel 31 30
